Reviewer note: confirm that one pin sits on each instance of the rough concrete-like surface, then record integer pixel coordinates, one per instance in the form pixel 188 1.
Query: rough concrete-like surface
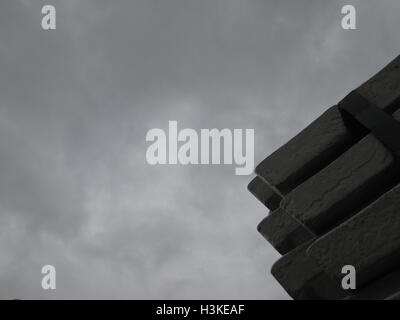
pixel 302 279
pixel 369 241
pixel 383 89
pixel 327 136
pixel 379 289
pixel 342 186
pixel 283 232
pixel 340 189
pixel 318 144
pixel 340 199
pixel 263 192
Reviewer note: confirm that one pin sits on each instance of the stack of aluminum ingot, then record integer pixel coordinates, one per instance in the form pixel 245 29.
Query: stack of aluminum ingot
pixel 334 195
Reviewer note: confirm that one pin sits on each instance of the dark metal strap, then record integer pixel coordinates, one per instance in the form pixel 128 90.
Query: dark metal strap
pixel 382 125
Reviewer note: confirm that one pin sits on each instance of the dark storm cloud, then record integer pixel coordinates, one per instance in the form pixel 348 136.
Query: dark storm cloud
pixel 75 106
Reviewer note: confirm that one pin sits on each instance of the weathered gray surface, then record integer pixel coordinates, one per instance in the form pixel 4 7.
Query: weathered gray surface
pixel 327 137
pixel 370 241
pixel 302 279
pixel 295 270
pixel 310 150
pixel 342 186
pixel 383 89
pixel 263 192
pixel 283 231
pixel 381 288
pixel 339 205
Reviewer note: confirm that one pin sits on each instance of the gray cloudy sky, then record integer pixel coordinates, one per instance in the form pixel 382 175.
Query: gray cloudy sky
pixel 75 106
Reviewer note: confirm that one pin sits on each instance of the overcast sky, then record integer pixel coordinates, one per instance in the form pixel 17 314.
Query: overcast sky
pixel 76 104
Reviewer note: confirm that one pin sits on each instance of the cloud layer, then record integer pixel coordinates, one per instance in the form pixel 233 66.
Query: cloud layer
pixel 75 106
